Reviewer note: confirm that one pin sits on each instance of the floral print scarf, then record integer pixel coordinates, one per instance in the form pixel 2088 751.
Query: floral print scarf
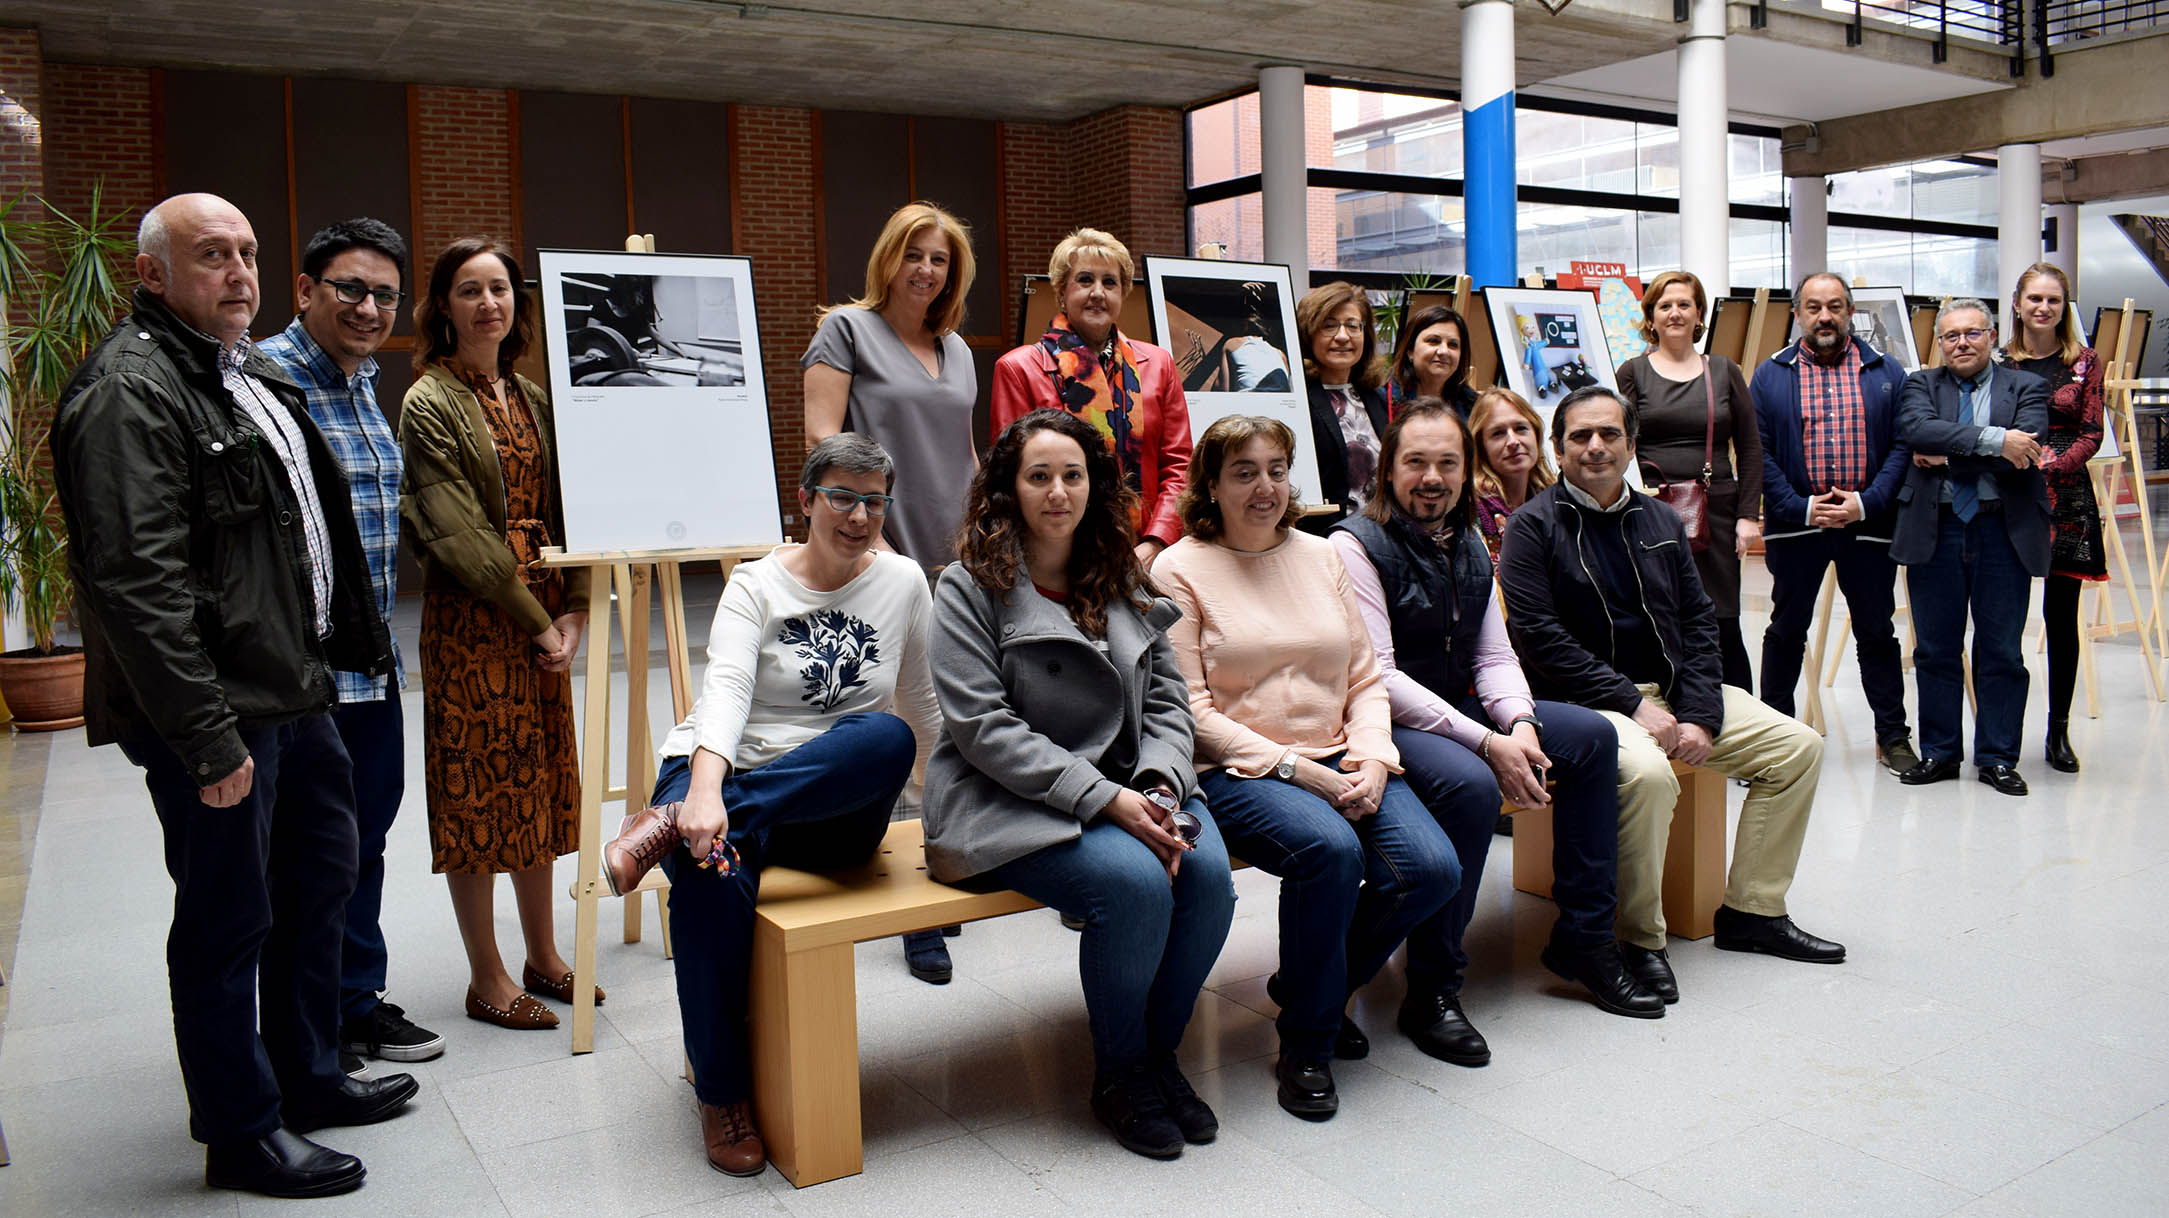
pixel 1100 391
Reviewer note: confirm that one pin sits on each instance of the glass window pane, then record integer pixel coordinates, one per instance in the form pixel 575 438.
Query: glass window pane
pixel 1551 238
pixel 1223 140
pixel 1657 159
pixel 1393 133
pixel 1876 258
pixel 1657 241
pixel 1375 231
pixel 1758 256
pixel 1230 228
pixel 1758 172
pixel 1953 266
pixel 1955 192
pixel 1885 191
pixel 1574 151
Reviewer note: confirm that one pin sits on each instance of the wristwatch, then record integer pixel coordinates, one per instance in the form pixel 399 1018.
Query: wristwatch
pixel 1531 720
pixel 1285 770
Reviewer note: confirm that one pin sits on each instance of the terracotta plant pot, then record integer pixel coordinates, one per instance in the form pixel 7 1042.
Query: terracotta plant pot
pixel 44 691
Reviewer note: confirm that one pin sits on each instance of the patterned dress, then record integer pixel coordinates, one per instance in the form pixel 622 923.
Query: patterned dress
pixel 2074 436
pixel 499 761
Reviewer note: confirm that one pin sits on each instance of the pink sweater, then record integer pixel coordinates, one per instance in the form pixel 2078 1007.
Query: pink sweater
pixel 1276 655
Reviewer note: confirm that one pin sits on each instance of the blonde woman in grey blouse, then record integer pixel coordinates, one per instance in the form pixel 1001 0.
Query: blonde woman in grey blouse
pixel 891 366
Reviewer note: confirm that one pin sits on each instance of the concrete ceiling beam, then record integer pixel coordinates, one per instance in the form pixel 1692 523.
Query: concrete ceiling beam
pixel 2120 175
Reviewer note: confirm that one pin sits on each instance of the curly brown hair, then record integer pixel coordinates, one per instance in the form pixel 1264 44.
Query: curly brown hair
pixel 434 339
pixel 1200 515
pixel 1103 566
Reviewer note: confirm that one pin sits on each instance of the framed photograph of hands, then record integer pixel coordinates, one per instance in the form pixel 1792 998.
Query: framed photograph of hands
pixel 1551 342
pixel 1231 327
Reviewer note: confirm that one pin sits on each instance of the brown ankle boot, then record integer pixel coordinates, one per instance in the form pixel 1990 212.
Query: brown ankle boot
pixel 643 840
pixel 734 1146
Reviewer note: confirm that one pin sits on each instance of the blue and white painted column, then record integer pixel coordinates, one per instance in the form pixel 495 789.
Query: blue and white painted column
pixel 1487 139
pixel 1705 163
pixel 1282 176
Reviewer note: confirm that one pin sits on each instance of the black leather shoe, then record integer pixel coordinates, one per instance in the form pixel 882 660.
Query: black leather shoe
pixel 2004 778
pixel 2060 757
pixel 282 1164
pixel 356 1101
pixel 1599 970
pixel 1435 1022
pixel 1128 1103
pixel 1306 1088
pixel 1349 1044
pixel 1745 932
pixel 1652 968
pixel 1929 770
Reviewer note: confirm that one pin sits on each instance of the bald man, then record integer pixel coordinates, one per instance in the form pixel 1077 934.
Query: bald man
pixel 220 580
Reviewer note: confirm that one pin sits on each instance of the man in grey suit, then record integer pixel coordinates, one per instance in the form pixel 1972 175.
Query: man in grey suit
pixel 1973 533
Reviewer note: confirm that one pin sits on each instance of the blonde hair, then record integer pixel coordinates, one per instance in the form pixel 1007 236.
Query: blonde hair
pixel 2068 340
pixel 946 313
pixel 1655 292
pixel 1489 403
pixel 1090 243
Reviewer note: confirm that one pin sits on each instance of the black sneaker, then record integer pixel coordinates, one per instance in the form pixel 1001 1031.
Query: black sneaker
pixel 387 1034
pixel 928 957
pixel 1128 1103
pixel 1191 1114
pixel 353 1065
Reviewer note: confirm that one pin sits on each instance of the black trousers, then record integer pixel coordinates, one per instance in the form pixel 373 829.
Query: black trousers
pixel 259 905
pixel 1869 580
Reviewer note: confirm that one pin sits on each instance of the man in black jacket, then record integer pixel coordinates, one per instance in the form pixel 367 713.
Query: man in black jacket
pixel 220 580
pixel 1606 611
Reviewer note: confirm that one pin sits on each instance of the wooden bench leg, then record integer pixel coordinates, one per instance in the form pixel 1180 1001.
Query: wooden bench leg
pixel 805 1040
pixel 1694 856
pixel 1532 852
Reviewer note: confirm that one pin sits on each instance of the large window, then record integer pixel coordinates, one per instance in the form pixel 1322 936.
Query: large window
pixel 1595 183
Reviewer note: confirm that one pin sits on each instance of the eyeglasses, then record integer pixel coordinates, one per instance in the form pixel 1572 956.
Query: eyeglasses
pixel 1335 327
pixel 1971 336
pixel 351 291
pixel 845 501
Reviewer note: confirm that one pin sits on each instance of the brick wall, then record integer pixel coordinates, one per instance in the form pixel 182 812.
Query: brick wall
pixel 1126 166
pixel 773 208
pixel 1036 210
pixel 98 134
pixel 22 115
pixel 464 167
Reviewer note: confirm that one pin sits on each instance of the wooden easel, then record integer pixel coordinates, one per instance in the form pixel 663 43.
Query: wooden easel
pixel 2118 384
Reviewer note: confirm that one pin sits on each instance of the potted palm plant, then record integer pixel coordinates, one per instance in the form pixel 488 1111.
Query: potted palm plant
pixel 58 296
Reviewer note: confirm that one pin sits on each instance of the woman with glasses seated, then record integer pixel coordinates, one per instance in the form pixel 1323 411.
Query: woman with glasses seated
pixel 1347 402
pixel 814 709
pixel 1295 745
pixel 1064 769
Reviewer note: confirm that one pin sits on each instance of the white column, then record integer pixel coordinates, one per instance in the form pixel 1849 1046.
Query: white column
pixel 1705 189
pixel 2066 254
pixel 1282 171
pixel 2018 221
pixel 1810 227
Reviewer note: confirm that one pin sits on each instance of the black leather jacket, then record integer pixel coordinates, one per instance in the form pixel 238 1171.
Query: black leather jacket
pixel 191 569
pixel 1561 622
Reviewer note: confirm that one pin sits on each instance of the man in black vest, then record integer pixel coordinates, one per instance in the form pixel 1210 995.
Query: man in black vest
pixel 1607 612
pixel 1468 730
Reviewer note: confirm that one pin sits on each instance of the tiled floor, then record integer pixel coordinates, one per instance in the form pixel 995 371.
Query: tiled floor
pixel 1997 1043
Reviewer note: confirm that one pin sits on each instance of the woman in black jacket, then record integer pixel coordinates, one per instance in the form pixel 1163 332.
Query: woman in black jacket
pixel 1347 399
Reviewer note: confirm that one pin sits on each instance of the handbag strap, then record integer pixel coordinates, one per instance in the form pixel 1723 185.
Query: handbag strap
pixel 1709 429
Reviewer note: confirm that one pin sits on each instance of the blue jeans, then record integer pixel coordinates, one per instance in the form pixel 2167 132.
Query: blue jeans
pixel 1350 891
pixel 1973 568
pixel 259 896
pixel 1463 794
pixel 822 806
pixel 1147 943
pixel 374 735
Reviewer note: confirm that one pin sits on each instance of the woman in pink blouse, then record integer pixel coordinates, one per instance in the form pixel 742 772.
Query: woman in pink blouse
pixel 1295 745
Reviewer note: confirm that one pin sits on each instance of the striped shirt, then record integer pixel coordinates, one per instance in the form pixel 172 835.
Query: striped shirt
pixel 282 431
pixel 345 410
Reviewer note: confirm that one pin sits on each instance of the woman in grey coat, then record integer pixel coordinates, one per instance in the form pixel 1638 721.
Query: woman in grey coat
pixel 1063 769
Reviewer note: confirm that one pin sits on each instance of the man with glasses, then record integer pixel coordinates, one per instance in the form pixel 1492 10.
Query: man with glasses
pixel 1832 462
pixel 1973 527
pixel 347 297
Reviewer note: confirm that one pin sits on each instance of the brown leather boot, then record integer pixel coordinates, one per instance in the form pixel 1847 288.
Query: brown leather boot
pixel 734 1146
pixel 643 840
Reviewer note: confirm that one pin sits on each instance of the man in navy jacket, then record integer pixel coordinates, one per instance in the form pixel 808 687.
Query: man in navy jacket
pixel 1832 463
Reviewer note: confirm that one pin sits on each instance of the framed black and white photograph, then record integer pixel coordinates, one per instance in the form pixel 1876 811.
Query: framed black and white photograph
pixel 1551 343
pixel 1231 328
pixel 661 405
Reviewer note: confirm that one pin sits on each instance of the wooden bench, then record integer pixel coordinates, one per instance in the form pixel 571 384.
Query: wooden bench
pixel 1694 855
pixel 804 1012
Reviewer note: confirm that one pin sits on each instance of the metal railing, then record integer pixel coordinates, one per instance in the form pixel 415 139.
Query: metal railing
pixel 2009 24
pixel 2063 22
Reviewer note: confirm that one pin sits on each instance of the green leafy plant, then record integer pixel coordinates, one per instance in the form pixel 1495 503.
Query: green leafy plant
pixel 59 294
pixel 1394 309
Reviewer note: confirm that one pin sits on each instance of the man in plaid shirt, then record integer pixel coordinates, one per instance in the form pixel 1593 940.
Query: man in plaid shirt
pixel 1833 459
pixel 348 294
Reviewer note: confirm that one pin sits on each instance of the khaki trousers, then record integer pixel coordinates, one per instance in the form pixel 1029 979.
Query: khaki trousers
pixel 1782 760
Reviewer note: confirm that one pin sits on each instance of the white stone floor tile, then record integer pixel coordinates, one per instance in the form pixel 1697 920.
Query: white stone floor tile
pixel 1774 1169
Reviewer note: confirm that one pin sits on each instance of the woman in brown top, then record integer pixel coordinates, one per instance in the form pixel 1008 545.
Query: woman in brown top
pixel 498 632
pixel 1681 393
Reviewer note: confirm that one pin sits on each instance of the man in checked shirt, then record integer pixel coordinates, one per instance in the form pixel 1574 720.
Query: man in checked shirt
pixel 1833 459
pixel 347 297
